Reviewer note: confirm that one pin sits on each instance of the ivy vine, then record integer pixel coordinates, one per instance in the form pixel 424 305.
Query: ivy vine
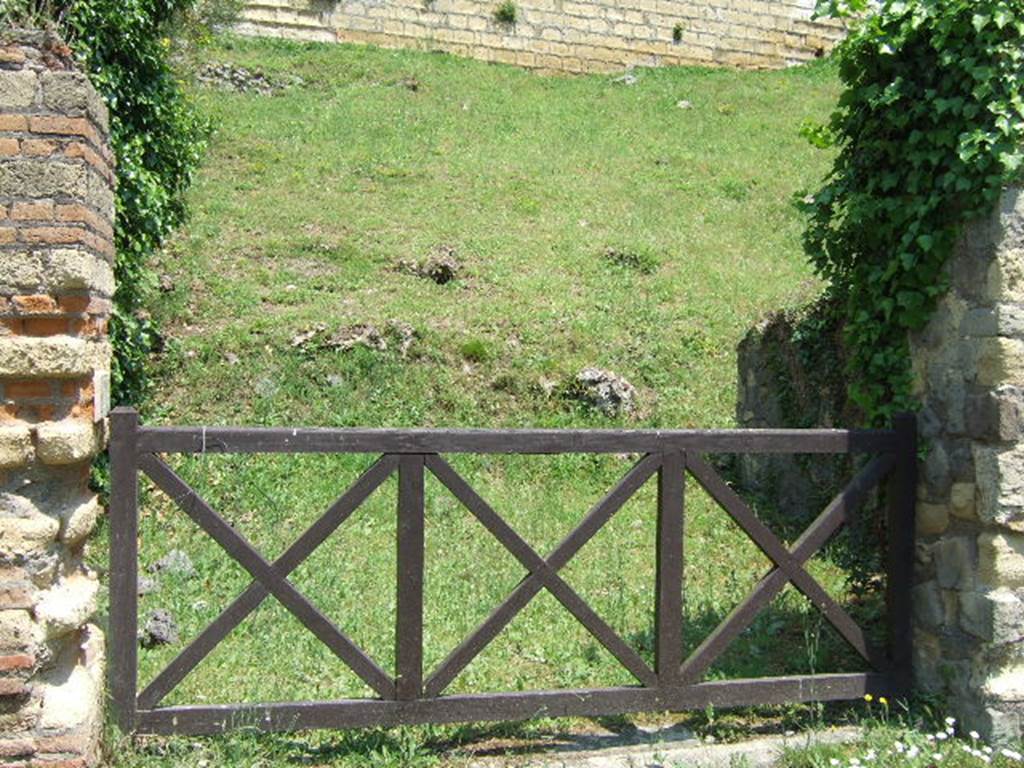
pixel 930 129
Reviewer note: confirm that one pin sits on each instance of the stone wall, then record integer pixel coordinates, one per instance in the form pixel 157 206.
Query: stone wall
pixel 56 282
pixel 969 370
pixel 564 35
pixel 969 373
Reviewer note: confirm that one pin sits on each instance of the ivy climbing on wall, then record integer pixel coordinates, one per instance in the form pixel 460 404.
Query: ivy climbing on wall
pixel 929 128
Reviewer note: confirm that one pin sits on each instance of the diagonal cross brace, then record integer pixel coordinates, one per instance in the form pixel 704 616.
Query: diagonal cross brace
pixel 541 570
pixel 271 579
pixel 599 514
pixel 788 567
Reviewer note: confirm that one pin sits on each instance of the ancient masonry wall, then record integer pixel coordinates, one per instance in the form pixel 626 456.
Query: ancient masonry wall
pixel 56 283
pixel 969 366
pixel 565 35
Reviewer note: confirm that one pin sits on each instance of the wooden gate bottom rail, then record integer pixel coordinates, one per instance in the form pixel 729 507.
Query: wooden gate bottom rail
pixel 356 713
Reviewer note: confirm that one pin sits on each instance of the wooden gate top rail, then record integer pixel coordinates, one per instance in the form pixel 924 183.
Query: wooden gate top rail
pixel 526 441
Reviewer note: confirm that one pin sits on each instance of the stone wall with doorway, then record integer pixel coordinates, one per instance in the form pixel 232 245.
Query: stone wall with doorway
pixel 56 284
pixel 564 35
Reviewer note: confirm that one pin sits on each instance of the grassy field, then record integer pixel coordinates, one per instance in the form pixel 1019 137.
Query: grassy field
pixel 641 228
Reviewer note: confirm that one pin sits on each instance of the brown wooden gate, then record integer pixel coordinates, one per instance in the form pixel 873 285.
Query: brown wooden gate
pixel 416 695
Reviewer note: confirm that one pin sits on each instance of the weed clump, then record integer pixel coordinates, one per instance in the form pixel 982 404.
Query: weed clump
pixel 639 260
pixel 506 13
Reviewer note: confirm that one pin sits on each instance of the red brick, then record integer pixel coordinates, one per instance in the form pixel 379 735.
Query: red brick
pixel 23 389
pixel 54 235
pixel 75 762
pixel 13 325
pixel 69 126
pixel 9 147
pixel 9 412
pixel 71 388
pixel 13 123
pixel 42 210
pixel 38 147
pixel 34 304
pixel 8 235
pixel 45 326
pixel 73 304
pixel 16 661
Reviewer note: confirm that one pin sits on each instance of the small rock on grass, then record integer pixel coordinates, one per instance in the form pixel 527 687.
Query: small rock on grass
pixel 176 563
pixel 147 586
pixel 160 629
pixel 604 390
pixel 441 266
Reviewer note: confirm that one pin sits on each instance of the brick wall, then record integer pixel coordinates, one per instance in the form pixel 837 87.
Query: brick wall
pixel 56 283
pixel 565 35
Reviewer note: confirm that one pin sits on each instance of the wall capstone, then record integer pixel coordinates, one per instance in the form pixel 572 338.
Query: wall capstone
pixel 969 374
pixel 56 286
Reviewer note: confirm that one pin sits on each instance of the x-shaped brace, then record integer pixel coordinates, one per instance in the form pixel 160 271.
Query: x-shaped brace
pixel 789 564
pixel 542 573
pixel 269 578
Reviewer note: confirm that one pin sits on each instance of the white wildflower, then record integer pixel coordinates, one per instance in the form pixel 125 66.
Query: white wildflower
pixel 941 736
pixel 936 756
pixel 930 736
pixel 833 762
pixel 974 735
pixel 913 752
pixel 987 750
pixel 1012 754
pixel 898 746
pixel 950 721
pixel 986 759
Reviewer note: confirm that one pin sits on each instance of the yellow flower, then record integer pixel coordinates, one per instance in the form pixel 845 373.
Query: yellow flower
pixel 868 697
pixel 882 700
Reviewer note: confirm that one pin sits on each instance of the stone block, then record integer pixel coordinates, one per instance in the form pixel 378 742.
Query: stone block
pixel 68 93
pixel 16 448
pixel 23 536
pixel 932 519
pixel 67 442
pixel 45 178
pixel 58 357
pixel 71 270
pixel 79 520
pixel 68 605
pixel 17 89
pixel 1000 485
pixel 929 610
pixel 997 415
pixel 961 501
pixel 18 632
pixel 996 616
pixel 999 361
pixel 954 566
pixel 1001 559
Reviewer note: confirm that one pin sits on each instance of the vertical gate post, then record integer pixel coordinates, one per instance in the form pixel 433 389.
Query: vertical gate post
pixel 409 610
pixel 668 615
pixel 124 531
pixel 900 513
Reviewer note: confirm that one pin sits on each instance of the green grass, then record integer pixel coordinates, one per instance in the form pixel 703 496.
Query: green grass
pixel 596 223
